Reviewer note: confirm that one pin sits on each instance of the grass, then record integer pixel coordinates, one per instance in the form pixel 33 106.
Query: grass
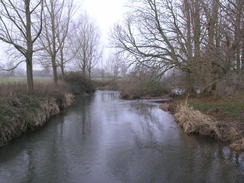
pixel 231 109
pixel 225 108
pixel 73 82
pixel 41 88
pixel 21 79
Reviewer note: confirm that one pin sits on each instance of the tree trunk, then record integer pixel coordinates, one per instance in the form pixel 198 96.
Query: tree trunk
pixel 211 47
pixel 62 71
pixel 189 83
pixel 54 51
pixel 29 74
pixel 242 57
pixel 29 53
pixel 196 30
pixel 62 62
pixel 89 72
pixel 54 66
pixel 242 47
pixel 84 71
pixel 238 35
pixel 188 28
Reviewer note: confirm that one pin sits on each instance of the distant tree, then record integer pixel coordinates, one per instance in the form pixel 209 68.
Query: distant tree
pixel 86 45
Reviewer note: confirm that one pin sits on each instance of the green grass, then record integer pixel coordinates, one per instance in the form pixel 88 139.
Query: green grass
pixel 12 79
pixel 220 108
pixel 21 79
pixel 231 109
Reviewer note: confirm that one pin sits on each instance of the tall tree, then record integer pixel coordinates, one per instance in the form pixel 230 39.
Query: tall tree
pixel 86 45
pixel 57 18
pixel 202 38
pixel 20 26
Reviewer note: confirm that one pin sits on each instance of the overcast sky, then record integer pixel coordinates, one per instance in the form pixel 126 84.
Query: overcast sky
pixel 104 12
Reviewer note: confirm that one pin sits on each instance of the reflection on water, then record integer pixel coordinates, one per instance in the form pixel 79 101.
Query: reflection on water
pixel 104 139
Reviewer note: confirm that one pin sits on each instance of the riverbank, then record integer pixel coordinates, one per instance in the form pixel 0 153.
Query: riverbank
pixel 23 113
pixel 220 119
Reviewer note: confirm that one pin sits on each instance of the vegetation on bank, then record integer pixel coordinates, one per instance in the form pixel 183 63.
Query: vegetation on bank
pixel 73 82
pixel 109 84
pixel 220 108
pixel 218 118
pixel 141 86
pixel 195 122
pixel 229 108
pixel 21 111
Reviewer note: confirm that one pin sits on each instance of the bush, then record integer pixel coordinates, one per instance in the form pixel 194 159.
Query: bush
pixel 78 84
pixel 135 87
pixel 105 84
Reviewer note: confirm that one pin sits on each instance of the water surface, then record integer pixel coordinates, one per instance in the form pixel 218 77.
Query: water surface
pixel 102 139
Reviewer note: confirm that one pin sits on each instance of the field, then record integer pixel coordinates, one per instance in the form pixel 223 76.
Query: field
pixel 21 79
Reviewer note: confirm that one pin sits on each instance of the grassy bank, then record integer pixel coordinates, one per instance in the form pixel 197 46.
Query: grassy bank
pixel 21 111
pixel 229 109
pixel 219 118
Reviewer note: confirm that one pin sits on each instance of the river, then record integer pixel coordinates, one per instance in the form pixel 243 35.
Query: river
pixel 102 139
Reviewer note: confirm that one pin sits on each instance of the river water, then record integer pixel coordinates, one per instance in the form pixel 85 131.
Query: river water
pixel 102 139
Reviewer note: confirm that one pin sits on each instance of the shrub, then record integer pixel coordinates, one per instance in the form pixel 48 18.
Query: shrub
pixel 135 87
pixel 105 84
pixel 78 84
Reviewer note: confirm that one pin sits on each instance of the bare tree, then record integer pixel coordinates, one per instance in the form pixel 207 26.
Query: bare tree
pixel 155 36
pixel 199 37
pixel 86 45
pixel 117 65
pixel 19 29
pixel 57 18
pixel 64 37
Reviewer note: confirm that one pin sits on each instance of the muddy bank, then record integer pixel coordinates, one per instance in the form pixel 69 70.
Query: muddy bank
pixel 193 122
pixel 24 113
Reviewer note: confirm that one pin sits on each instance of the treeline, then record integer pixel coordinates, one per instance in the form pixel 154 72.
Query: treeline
pixel 46 32
pixel 200 40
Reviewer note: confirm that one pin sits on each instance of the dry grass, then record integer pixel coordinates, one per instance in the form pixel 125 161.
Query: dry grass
pixel 41 88
pixel 194 122
pixel 190 119
pixel 185 113
pixel 73 83
pixel 229 108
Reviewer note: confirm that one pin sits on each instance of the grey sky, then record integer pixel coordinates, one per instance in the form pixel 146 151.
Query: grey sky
pixel 104 12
